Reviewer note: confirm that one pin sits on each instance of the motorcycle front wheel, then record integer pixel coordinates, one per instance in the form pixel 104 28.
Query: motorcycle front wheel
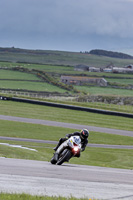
pixel 53 161
pixel 66 155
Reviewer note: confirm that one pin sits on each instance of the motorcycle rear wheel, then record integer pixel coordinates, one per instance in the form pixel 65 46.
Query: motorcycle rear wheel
pixel 65 157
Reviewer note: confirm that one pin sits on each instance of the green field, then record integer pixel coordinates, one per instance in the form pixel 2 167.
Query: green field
pixel 121 81
pixel 33 86
pixel 91 90
pixel 8 74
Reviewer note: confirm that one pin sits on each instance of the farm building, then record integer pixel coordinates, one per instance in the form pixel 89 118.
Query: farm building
pixel 81 68
pixel 122 70
pixel 94 69
pixel 108 68
pixel 112 68
pixel 129 67
pixel 86 68
pixel 80 80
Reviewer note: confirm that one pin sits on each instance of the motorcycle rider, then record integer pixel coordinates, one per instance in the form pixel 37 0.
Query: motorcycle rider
pixel 84 134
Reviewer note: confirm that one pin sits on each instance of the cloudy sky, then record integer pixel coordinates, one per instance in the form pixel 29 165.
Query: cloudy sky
pixel 68 25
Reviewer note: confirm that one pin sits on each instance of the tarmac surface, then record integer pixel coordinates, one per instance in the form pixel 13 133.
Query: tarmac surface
pixel 43 178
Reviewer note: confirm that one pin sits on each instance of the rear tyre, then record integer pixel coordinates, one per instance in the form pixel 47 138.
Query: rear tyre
pixel 65 157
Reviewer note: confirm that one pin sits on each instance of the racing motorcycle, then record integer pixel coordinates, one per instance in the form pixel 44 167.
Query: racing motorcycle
pixel 68 149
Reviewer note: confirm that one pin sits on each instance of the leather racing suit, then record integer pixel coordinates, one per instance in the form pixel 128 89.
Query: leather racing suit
pixel 84 142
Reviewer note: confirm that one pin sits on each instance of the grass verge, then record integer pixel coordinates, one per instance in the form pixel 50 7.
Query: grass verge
pixel 64 115
pixel 43 132
pixel 115 158
pixel 4 196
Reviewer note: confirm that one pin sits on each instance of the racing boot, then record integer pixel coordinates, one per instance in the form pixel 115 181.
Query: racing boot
pixel 59 143
pixel 55 148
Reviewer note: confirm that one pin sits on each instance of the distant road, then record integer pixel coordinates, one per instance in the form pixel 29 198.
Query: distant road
pixel 68 125
pixel 55 142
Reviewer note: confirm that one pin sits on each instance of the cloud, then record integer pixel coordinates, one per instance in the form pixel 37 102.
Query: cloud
pixel 65 19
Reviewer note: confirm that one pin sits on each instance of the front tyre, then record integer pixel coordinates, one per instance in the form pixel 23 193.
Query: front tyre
pixel 53 161
pixel 65 157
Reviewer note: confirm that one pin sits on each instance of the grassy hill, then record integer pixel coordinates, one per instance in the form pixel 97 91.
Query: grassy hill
pixel 17 55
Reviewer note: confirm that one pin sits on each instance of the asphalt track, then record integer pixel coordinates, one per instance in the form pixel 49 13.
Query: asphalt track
pixel 42 178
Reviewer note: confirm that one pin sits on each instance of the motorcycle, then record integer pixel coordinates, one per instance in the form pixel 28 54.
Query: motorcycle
pixel 68 149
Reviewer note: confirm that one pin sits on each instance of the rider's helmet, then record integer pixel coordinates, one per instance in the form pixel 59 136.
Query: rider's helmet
pixel 84 134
